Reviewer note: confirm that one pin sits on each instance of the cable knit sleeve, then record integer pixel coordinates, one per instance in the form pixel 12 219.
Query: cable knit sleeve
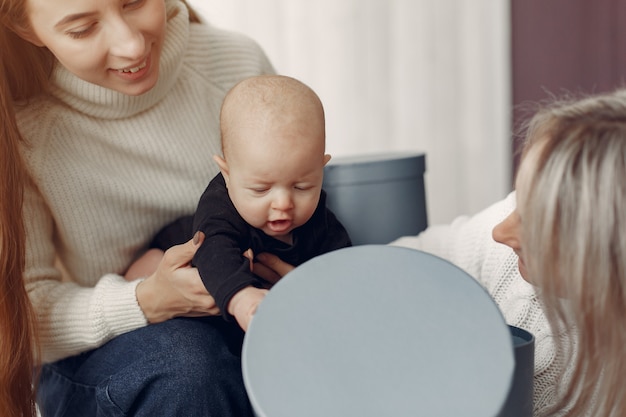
pixel 71 318
pixel 468 243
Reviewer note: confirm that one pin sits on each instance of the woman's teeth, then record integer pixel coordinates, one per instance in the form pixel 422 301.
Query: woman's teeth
pixel 135 69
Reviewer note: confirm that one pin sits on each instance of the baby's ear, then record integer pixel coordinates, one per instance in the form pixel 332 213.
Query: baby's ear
pixel 221 162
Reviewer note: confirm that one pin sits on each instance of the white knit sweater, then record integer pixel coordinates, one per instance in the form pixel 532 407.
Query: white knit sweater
pixel 109 170
pixel 468 243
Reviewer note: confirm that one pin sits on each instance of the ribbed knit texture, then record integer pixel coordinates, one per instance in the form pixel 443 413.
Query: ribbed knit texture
pixel 468 243
pixel 109 170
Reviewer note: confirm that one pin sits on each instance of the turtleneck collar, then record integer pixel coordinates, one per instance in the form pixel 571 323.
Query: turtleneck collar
pixel 101 102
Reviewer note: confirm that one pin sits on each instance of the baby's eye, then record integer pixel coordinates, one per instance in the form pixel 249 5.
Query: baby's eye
pixel 259 190
pixel 303 187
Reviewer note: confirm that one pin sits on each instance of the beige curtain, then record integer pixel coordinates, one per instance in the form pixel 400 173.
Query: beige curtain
pixel 400 75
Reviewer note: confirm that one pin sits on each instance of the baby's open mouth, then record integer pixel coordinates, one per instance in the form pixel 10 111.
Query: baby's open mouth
pixel 279 225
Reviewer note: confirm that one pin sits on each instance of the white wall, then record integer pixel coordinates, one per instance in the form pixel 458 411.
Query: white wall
pixel 414 75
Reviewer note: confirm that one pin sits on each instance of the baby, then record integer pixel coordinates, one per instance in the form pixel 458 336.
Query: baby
pixel 268 196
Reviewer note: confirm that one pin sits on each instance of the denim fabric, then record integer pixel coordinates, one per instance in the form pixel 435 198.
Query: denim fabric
pixel 182 367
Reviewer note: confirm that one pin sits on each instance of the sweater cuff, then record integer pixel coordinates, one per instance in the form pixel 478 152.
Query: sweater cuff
pixel 117 300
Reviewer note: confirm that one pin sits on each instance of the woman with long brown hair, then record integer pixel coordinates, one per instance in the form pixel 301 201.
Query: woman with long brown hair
pixel 109 121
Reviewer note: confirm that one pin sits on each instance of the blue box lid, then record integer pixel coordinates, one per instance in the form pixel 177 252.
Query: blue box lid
pixel 379 167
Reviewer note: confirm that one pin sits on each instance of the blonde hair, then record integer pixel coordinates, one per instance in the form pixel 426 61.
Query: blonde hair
pixel 572 202
pixel 25 71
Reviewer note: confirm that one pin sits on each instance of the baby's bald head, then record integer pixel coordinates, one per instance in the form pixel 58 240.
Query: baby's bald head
pixel 270 104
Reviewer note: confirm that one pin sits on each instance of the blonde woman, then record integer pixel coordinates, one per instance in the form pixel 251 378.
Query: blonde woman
pixel 568 231
pixel 563 274
pixel 553 254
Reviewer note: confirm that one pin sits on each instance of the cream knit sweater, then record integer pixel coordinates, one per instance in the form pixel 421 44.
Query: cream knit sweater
pixel 109 170
pixel 467 242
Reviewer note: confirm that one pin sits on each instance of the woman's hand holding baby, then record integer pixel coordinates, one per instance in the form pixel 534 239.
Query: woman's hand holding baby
pixel 175 288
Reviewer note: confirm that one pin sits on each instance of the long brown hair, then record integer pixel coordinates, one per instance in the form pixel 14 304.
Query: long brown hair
pixel 24 74
pixel 17 362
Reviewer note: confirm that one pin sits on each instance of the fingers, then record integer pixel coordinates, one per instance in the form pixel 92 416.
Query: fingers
pixel 175 288
pixel 203 312
pixel 181 255
pixel 250 255
pixel 262 270
pixel 266 273
pixel 274 263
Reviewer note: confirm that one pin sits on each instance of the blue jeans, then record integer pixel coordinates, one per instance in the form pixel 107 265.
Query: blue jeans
pixel 182 367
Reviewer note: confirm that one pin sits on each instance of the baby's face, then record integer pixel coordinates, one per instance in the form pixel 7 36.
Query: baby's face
pixel 275 180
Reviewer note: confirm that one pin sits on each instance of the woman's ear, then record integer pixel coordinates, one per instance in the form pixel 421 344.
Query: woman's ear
pixel 221 162
pixel 326 159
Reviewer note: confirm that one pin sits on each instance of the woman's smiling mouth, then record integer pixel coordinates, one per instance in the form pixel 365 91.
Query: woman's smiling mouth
pixel 134 69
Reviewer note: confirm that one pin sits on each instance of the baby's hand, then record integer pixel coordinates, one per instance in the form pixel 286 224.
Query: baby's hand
pixel 244 303
pixel 145 265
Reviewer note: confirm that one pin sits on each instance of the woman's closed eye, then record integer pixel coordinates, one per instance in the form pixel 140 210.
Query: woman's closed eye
pixel 133 4
pixel 82 31
pixel 86 29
